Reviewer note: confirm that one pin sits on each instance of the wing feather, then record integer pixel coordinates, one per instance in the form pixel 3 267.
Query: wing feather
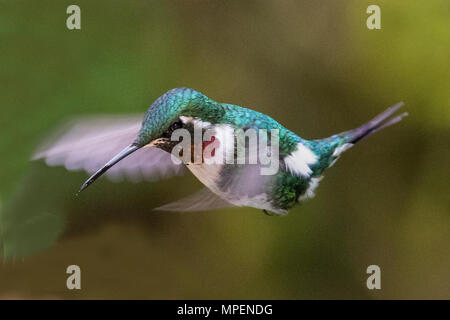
pixel 87 143
pixel 203 200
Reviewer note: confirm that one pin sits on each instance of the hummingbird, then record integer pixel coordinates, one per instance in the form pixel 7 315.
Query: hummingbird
pixel 146 147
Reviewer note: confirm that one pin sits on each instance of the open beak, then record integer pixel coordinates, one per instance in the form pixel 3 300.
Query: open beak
pixel 122 154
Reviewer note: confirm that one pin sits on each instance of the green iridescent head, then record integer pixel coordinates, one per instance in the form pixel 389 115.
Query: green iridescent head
pixel 164 112
pixel 161 115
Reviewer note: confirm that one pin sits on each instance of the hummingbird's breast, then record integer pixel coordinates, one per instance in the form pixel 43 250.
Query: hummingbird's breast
pixel 212 157
pixel 213 161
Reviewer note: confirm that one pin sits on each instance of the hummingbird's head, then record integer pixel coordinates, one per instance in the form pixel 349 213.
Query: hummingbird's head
pixel 162 118
pixel 164 114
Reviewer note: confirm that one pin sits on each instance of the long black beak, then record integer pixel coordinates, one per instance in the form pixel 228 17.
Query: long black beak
pixel 122 154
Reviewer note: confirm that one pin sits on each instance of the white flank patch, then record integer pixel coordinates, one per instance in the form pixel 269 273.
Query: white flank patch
pixel 299 161
pixel 338 151
pixel 309 193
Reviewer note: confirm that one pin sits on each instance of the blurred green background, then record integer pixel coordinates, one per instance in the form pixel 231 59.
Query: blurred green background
pixel 312 65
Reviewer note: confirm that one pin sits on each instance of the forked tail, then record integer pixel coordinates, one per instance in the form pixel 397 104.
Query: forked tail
pixel 332 147
pixel 383 120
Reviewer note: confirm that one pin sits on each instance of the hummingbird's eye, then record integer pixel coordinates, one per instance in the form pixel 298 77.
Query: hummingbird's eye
pixel 176 125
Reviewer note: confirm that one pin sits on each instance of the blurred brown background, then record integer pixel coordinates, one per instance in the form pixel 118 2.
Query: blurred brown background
pixel 312 65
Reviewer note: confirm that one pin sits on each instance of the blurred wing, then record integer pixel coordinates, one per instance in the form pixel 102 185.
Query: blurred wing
pixel 88 143
pixel 241 185
pixel 201 201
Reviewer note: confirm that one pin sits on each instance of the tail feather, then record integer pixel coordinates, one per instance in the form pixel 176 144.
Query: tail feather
pixel 332 147
pixel 381 121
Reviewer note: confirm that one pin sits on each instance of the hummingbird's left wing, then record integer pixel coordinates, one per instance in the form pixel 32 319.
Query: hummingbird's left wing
pixel 226 186
pixel 203 200
pixel 87 143
pixel 240 185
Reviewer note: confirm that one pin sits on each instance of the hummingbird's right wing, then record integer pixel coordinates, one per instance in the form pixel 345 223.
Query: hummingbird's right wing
pixel 87 143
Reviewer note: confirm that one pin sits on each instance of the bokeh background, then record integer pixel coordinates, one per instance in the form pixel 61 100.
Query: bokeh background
pixel 312 65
